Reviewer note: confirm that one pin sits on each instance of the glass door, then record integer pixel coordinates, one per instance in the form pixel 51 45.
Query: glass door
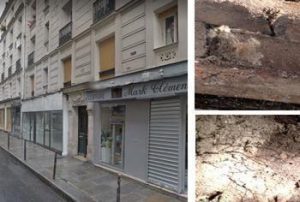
pixel 112 134
pixel 117 147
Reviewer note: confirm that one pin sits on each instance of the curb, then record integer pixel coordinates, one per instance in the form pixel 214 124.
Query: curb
pixel 58 190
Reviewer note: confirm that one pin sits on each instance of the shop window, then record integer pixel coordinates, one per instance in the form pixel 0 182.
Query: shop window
pixel 2 118
pixel 28 126
pixel 56 130
pixel 8 119
pixel 167 29
pixel 107 58
pixel 16 116
pixel 112 134
pixel 67 72
pixel 44 128
pixel 47 128
pixel 39 128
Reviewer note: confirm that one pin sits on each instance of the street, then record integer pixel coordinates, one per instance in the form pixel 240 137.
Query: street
pixel 19 184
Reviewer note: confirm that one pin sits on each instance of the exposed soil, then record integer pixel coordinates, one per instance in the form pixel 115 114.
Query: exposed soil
pixel 248 158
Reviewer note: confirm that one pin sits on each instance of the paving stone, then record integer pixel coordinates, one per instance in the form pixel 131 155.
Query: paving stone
pixel 83 180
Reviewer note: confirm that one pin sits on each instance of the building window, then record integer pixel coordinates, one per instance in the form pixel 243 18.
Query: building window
pixel 107 58
pixel 67 8
pixel 32 42
pixel 2 118
pixel 67 71
pixel 45 79
pixel 30 59
pixel 19 86
pixel 46 40
pixel 103 8
pixel 9 71
pixel 2 76
pixel 168 26
pixel 46 8
pixel 112 134
pixel 10 90
pixel 32 85
pixel 32 22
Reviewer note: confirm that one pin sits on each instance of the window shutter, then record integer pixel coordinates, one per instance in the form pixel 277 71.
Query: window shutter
pixel 67 70
pixel 107 54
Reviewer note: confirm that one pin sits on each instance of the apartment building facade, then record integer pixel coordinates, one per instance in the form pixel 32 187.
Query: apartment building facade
pixel 12 55
pixel 107 80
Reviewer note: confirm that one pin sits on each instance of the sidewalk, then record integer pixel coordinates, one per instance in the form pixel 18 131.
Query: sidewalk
pixel 82 181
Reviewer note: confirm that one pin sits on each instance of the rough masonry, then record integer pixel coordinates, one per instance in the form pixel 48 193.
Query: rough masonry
pixel 256 42
pixel 248 158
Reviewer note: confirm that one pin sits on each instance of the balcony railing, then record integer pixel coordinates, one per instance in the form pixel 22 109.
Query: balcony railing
pixel 18 65
pixel 103 8
pixel 65 34
pixel 31 58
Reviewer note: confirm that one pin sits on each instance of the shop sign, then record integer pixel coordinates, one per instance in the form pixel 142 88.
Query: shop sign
pixel 99 95
pixel 156 88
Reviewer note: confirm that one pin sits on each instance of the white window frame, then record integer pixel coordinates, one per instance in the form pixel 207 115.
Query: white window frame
pixel 164 31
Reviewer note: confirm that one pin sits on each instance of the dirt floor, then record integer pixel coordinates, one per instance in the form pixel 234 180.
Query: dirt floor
pixel 248 158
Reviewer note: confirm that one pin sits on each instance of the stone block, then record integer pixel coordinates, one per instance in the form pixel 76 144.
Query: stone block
pixel 254 50
pixel 234 13
pixel 288 27
pixel 200 39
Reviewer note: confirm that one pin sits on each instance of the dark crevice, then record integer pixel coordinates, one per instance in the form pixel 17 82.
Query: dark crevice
pixel 271 15
pixel 215 195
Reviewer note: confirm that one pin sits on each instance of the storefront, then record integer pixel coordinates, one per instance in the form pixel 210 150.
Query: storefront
pixel 77 118
pixel 10 116
pixel 140 130
pixel 16 118
pixel 42 122
pixel 44 128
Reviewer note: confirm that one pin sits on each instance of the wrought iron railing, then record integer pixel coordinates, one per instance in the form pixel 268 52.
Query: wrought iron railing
pixel 103 8
pixel 65 34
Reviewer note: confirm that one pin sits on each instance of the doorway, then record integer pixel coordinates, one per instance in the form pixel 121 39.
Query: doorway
pixel 82 131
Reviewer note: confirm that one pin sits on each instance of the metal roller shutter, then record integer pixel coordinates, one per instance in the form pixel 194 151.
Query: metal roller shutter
pixel 163 157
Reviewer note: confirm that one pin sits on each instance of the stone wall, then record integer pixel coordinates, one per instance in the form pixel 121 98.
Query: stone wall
pixel 254 38
pixel 248 158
